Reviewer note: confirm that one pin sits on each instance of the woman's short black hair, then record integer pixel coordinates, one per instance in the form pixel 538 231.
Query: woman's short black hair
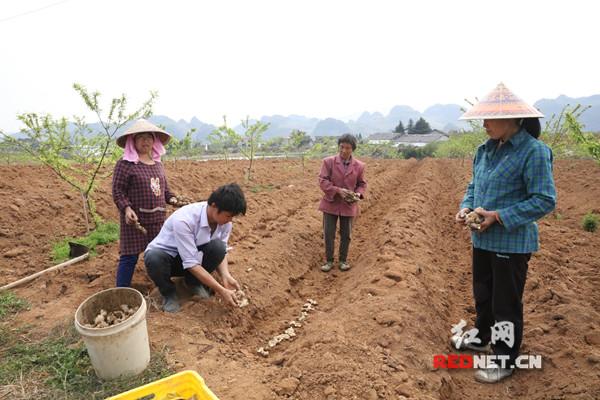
pixel 348 138
pixel 229 198
pixel 532 126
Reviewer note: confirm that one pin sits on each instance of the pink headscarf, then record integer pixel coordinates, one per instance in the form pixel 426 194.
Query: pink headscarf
pixel 131 153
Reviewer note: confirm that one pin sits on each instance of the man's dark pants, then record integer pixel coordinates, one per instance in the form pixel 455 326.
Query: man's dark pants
pixel 161 266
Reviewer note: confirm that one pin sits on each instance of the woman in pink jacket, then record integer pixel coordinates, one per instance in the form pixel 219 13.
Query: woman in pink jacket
pixel 342 181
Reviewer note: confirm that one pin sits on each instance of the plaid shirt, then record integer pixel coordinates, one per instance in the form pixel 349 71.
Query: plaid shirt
pixel 515 180
pixel 144 188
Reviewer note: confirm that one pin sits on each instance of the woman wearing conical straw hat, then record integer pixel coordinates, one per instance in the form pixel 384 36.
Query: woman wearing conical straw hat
pixel 511 188
pixel 140 192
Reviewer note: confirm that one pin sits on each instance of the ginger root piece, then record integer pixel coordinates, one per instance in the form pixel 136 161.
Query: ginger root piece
pixel 295 324
pixel 105 319
pixel 289 333
pixel 100 318
pixel 140 228
pixel 262 351
pixel 473 220
pixel 351 197
pixel 241 298
pixel 181 200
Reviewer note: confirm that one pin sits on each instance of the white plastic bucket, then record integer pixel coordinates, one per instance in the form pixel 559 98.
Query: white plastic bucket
pixel 121 349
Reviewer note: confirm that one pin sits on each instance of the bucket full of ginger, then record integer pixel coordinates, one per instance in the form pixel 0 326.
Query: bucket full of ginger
pixel 113 326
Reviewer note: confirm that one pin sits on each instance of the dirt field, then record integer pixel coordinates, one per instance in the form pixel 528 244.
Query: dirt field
pixel 376 327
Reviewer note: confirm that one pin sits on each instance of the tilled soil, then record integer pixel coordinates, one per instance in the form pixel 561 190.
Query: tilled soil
pixel 376 327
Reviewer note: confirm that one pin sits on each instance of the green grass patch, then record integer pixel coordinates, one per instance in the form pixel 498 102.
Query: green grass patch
pixel 59 367
pixel 104 233
pixel 17 158
pixel 590 222
pixel 10 304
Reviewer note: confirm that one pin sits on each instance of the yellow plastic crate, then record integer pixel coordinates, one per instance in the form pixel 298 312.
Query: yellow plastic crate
pixel 180 386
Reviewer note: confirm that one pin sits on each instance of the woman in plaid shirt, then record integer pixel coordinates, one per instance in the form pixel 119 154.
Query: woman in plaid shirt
pixel 512 187
pixel 140 192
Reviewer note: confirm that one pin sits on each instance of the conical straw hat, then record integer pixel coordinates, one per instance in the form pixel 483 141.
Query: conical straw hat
pixel 501 103
pixel 141 125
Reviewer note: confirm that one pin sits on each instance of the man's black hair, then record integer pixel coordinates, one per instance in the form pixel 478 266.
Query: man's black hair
pixel 229 198
pixel 348 138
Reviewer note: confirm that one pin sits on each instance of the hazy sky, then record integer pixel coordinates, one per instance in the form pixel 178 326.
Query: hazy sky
pixel 315 58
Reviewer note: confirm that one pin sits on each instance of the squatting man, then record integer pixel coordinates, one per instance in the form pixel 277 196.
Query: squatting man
pixel 193 243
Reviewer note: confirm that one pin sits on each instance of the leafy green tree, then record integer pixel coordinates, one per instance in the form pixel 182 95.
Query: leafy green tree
pixel 275 145
pixel 411 126
pixel 556 133
pixel 223 139
pixel 251 141
pixel 75 153
pixel 300 141
pixel 590 142
pixel 421 126
pixel 177 148
pixel 323 146
pixel 399 128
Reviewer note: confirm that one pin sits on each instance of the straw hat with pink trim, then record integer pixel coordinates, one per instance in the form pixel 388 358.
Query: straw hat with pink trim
pixel 501 103
pixel 143 126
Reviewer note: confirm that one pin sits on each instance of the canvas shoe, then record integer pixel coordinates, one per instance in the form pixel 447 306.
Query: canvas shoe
pixel 327 266
pixel 171 303
pixel 466 344
pixel 492 374
pixel 344 266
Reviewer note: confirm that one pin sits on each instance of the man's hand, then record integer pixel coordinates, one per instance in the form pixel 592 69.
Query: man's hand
pixel 173 200
pixel 130 216
pixel 230 283
pixel 461 215
pixel 228 296
pixel 489 218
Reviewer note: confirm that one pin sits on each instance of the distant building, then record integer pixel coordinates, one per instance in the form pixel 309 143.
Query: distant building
pixel 408 139
pixel 383 138
pixel 422 139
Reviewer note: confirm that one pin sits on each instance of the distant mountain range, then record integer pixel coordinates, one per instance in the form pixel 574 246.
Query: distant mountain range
pixel 440 116
pixel 590 118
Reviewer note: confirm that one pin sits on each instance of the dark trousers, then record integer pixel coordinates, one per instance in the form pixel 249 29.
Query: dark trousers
pixel 126 269
pixel 329 225
pixel 498 284
pixel 161 266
